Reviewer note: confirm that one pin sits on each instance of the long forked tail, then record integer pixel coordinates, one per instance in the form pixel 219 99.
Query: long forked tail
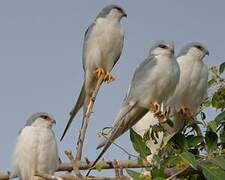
pixel 75 110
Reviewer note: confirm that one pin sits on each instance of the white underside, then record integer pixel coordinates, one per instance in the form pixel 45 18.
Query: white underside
pixel 35 151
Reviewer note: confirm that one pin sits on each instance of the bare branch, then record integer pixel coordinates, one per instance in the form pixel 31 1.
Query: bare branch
pixel 86 120
pixel 48 177
pixel 4 176
pixel 73 162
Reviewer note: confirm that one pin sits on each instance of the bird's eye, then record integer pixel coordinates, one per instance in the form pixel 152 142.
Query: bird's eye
pixel 119 9
pixel 44 117
pixel 199 47
pixel 163 46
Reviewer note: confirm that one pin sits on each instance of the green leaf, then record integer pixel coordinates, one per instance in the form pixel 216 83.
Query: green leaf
pixel 220 118
pixel 214 69
pixel 180 141
pixel 159 178
pixel 218 99
pixel 211 82
pixel 222 68
pixel 207 102
pixel 158 172
pixel 167 139
pixel 135 175
pixel 212 125
pixel 222 136
pixel 193 141
pixel 139 144
pixel 190 158
pixel 219 161
pixel 211 139
pixel 212 172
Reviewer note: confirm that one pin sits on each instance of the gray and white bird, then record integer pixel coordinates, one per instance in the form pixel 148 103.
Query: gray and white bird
pixel 193 85
pixel 102 47
pixel 188 96
pixel 36 148
pixel 153 82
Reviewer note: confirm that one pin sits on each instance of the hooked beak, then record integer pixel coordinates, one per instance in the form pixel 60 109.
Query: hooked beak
pixel 53 121
pixel 124 15
pixel 207 53
pixel 172 51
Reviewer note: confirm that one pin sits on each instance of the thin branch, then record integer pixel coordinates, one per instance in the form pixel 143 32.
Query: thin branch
pixel 100 165
pixel 120 147
pixel 74 163
pixel 71 177
pixel 48 177
pixel 104 165
pixel 86 120
pixel 4 176
pixel 177 173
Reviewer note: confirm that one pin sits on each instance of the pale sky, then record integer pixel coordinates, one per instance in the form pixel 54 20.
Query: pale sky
pixel 41 69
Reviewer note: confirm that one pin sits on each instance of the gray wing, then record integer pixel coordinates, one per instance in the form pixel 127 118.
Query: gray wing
pixel 86 36
pixel 119 54
pixel 140 75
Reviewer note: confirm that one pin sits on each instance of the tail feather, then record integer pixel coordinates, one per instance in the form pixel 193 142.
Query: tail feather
pixel 74 111
pixel 101 144
pixel 127 118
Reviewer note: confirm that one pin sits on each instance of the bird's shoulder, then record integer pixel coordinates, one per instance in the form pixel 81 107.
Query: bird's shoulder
pixel 147 64
pixel 88 31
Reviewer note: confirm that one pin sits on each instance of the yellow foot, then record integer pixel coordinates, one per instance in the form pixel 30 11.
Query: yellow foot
pixel 155 108
pixel 185 111
pixel 99 72
pixel 108 77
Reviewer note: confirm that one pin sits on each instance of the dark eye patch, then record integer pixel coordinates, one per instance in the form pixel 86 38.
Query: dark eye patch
pixel 199 47
pixel 119 9
pixel 44 117
pixel 163 46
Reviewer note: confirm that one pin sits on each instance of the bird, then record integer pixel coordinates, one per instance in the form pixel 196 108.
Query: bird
pixel 36 148
pixel 102 48
pixel 193 86
pixel 153 81
pixel 186 99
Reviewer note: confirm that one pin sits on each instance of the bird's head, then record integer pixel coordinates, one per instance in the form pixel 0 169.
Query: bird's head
pixel 112 11
pixel 164 48
pixel 41 119
pixel 195 49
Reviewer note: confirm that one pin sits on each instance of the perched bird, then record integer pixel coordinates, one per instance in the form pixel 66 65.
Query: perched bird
pixel 36 148
pixel 193 85
pixel 188 96
pixel 103 44
pixel 153 81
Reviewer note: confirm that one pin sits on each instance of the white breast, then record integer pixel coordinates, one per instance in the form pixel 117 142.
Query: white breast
pixel 104 44
pixel 36 150
pixel 160 82
pixel 192 87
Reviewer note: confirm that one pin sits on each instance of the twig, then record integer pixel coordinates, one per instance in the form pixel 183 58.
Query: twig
pixel 73 162
pixel 120 147
pixel 177 173
pixel 86 120
pixel 48 177
pixel 4 176
pixel 70 177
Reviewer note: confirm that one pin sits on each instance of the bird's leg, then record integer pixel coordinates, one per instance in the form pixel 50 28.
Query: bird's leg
pixel 156 109
pixel 185 111
pixel 108 77
pixel 99 72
